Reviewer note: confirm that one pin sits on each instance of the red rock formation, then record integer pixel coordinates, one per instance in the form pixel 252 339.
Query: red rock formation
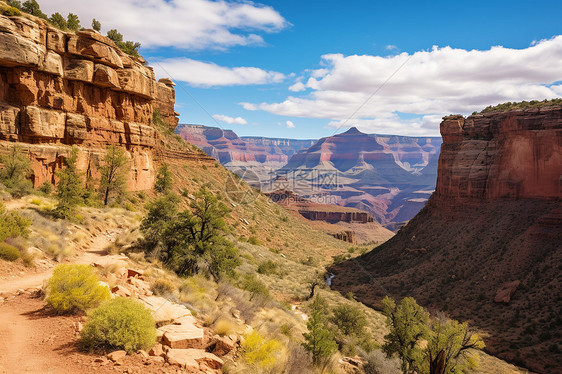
pixel 227 147
pixel 59 89
pixel 488 156
pixel 493 225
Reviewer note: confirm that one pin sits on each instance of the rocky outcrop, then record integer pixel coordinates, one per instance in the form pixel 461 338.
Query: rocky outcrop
pixel 59 89
pixel 486 247
pixel 513 155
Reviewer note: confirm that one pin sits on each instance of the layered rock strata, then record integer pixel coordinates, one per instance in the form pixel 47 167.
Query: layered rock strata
pixel 60 89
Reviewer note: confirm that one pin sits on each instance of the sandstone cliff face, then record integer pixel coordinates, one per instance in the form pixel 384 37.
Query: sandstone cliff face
pixel 494 221
pixel 513 155
pixel 59 89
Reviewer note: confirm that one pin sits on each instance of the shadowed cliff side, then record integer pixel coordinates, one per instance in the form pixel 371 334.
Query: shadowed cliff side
pixel 487 247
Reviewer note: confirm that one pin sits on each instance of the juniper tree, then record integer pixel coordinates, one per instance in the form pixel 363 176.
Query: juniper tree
pixel 164 180
pixel 69 188
pixel 113 173
pixel 319 340
pixel 96 25
pixel 407 323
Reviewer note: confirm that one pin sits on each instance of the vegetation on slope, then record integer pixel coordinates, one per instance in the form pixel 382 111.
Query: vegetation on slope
pixel 504 107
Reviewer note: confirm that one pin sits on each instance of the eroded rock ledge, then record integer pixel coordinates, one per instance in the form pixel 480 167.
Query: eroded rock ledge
pixel 59 89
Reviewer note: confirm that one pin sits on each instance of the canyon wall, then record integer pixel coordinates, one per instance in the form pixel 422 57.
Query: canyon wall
pixel 61 89
pixel 487 246
pixel 227 148
pixel 511 155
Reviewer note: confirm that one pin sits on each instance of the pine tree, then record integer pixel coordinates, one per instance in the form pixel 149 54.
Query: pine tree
pixel 72 22
pixel 69 188
pixel 96 25
pixel 113 177
pixel 58 20
pixel 319 340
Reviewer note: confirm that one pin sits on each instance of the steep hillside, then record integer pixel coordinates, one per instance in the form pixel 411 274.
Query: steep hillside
pixel 487 247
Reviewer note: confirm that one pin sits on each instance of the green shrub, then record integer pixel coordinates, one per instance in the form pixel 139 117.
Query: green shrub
pixel 268 267
pixel 46 188
pixel 75 288
pixel 10 11
pixel 9 252
pixel 119 324
pixel 12 224
pixel 16 171
pixel 254 286
pixel 254 240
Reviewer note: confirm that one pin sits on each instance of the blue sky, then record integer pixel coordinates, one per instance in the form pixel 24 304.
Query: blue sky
pixel 301 69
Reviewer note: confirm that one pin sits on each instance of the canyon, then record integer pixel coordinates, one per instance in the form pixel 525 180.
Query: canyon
pixel 61 89
pixel 389 177
pixel 486 246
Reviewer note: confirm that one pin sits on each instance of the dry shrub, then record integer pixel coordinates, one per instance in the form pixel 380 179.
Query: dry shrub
pixel 224 326
pixel 378 363
pixel 163 287
pixel 121 323
pixel 75 288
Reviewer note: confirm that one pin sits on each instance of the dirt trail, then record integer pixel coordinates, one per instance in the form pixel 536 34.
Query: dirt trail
pixel 30 341
pixel 94 253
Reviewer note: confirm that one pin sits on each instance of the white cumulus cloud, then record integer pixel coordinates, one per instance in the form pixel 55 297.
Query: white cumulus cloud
pixel 429 85
pixel 290 124
pixel 230 120
pixel 207 74
pixel 184 24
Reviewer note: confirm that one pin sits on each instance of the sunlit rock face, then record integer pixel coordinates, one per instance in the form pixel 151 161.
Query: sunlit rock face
pixel 60 89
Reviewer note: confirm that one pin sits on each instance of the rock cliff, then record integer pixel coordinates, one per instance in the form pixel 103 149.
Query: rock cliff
pixel 486 247
pixel 59 89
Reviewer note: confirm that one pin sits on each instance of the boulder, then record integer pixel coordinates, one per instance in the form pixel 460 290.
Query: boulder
pixel 31 30
pixel 164 310
pixel 506 291
pixel 137 82
pixel 43 123
pixel 156 350
pixel 76 126
pixel 81 70
pixel 16 50
pixel 183 336
pixel 222 345
pixel 86 43
pixel 192 358
pixel 56 40
pixel 134 273
pixel 105 76
pixel 7 25
pixel 52 63
pixel 121 291
pixel 9 121
pixel 116 355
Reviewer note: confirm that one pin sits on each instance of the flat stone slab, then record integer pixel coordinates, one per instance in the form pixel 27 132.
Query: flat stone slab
pixel 164 310
pixel 183 336
pixel 191 358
